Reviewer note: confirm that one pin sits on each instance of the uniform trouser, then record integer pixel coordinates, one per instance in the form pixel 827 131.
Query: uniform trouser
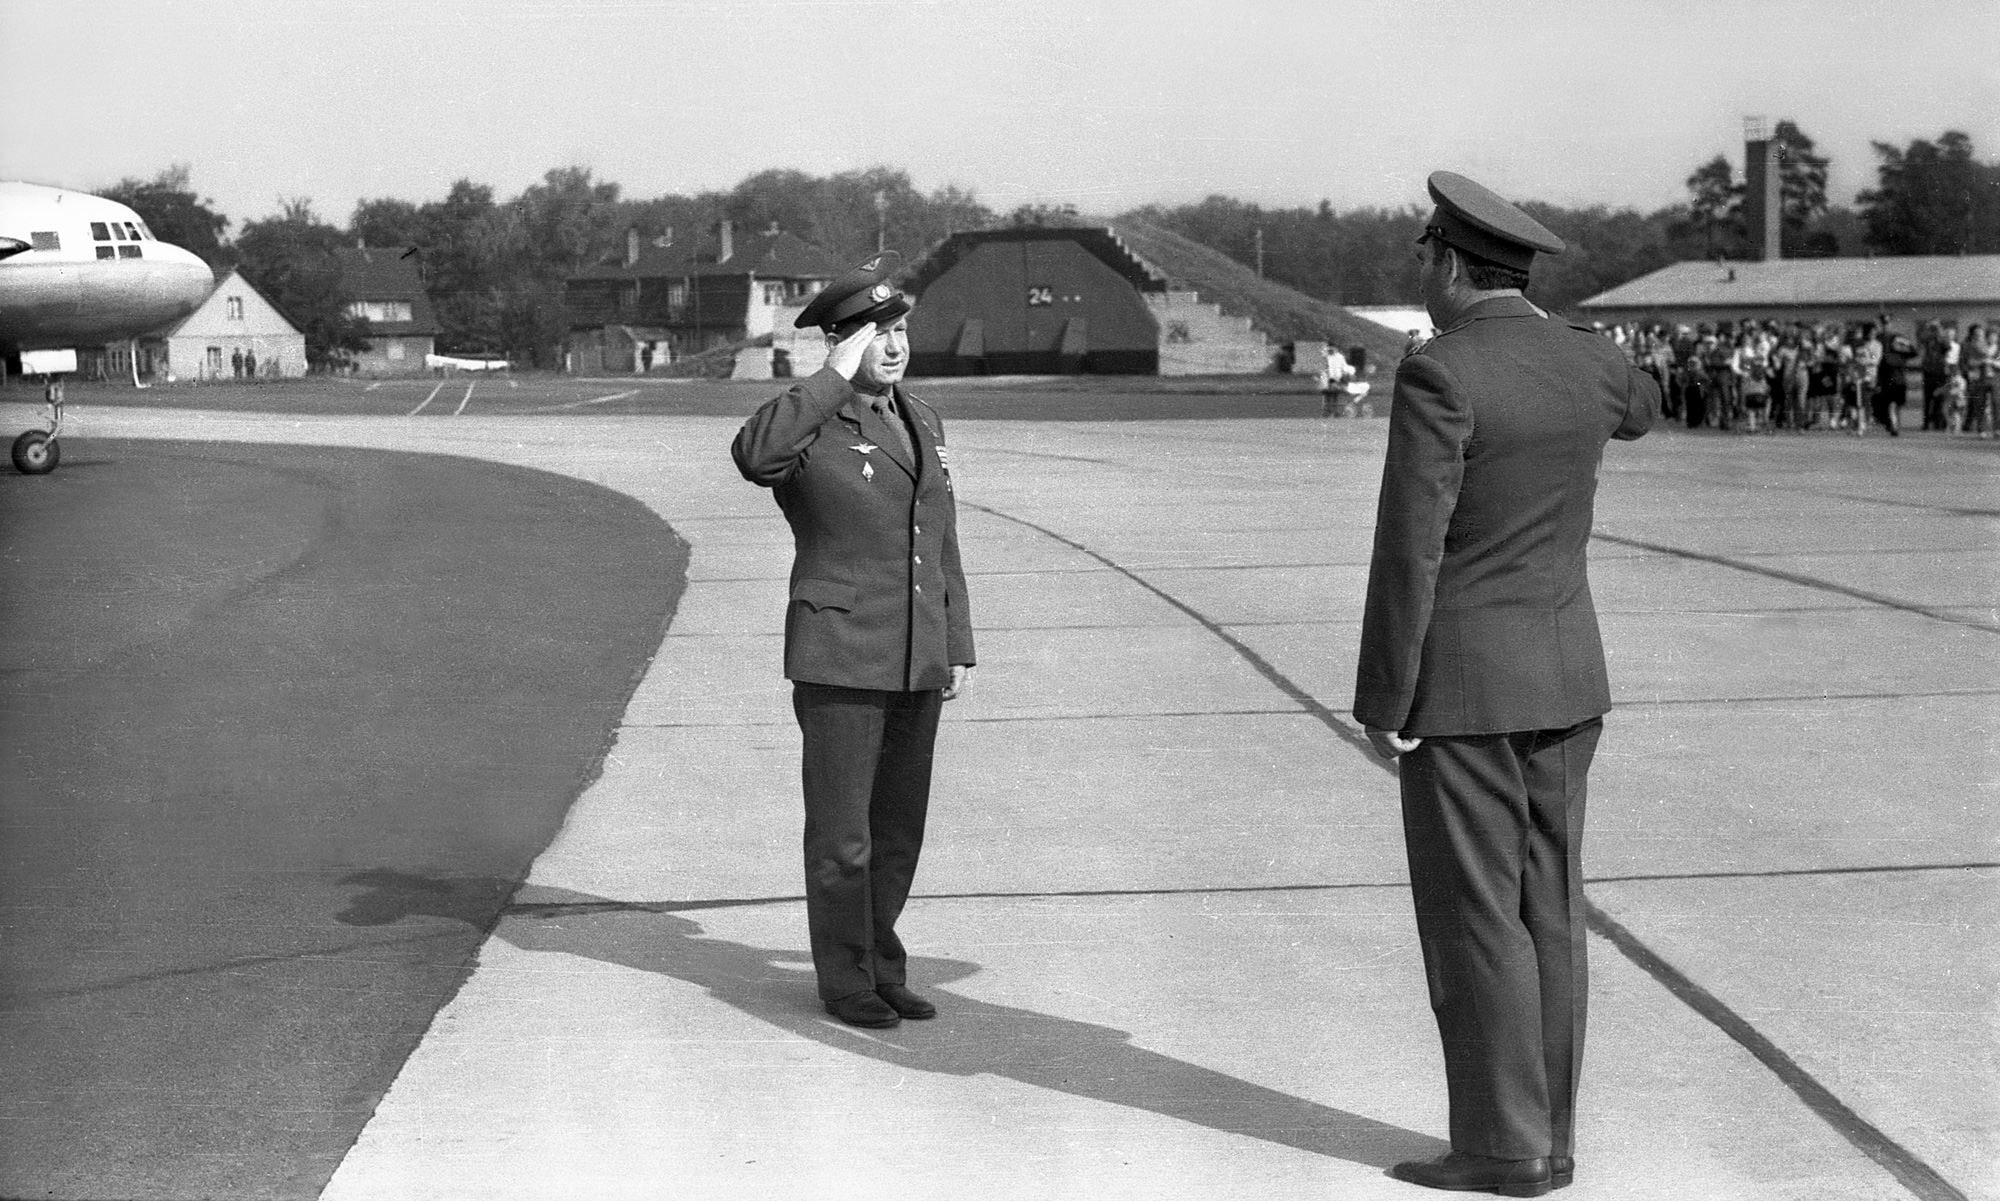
pixel 867 774
pixel 1494 825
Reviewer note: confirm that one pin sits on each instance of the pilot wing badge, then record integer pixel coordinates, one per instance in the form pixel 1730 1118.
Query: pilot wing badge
pixel 864 447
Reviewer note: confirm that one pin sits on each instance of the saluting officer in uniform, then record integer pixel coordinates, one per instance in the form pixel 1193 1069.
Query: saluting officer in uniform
pixel 877 629
pixel 1482 668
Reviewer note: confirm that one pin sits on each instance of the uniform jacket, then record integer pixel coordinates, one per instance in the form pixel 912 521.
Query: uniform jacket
pixel 877 595
pixel 1479 618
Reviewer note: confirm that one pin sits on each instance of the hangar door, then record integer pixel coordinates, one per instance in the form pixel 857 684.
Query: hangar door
pixel 1034 306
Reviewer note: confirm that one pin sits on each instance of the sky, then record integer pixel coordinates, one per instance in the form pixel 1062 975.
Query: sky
pixel 1104 104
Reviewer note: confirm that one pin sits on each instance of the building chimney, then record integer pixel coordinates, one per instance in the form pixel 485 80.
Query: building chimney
pixel 631 245
pixel 728 250
pixel 1763 210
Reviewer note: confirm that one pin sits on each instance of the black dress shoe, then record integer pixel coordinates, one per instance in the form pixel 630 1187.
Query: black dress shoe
pixel 906 1003
pixel 1462 1171
pixel 1562 1170
pixel 863 1009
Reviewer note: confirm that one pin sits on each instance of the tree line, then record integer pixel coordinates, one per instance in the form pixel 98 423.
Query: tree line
pixel 494 269
pixel 1931 198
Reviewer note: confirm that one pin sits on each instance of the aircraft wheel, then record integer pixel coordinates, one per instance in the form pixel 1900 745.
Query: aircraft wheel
pixel 35 453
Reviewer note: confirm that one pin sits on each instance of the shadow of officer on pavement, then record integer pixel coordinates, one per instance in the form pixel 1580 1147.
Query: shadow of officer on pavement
pixel 967 1037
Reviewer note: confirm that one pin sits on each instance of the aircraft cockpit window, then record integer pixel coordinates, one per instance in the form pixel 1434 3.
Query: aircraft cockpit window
pixel 100 231
pixel 133 230
pixel 129 252
pixel 46 239
pixel 107 252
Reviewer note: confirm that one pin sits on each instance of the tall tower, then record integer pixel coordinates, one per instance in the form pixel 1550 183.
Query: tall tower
pixel 1763 212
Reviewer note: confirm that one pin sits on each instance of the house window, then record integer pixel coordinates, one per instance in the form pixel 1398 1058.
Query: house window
pixel 46 239
pixel 774 293
pixel 381 311
pixel 215 360
pixel 234 308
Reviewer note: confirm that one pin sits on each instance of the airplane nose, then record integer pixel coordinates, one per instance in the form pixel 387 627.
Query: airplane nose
pixel 183 279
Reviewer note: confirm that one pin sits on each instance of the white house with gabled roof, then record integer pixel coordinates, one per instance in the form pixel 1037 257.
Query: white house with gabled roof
pixel 234 334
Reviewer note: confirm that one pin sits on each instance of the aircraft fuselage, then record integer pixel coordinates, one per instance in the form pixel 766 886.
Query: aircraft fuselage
pixel 80 270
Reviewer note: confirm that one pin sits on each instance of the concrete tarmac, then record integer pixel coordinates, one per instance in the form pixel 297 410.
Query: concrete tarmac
pixel 1163 904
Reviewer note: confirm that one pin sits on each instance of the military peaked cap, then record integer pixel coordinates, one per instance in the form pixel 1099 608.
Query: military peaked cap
pixel 860 296
pixel 1473 218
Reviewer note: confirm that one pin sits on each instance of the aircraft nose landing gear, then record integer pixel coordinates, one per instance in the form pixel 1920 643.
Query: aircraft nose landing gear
pixel 37 452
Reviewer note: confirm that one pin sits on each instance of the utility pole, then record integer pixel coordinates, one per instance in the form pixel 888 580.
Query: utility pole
pixel 881 221
pixel 1260 252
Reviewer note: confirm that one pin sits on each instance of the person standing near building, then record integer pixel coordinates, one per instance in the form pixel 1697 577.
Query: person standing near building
pixel 1980 361
pixel 1482 671
pixel 878 633
pixel 1934 348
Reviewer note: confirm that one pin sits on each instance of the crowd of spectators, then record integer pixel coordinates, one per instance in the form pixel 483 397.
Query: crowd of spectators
pixel 1762 376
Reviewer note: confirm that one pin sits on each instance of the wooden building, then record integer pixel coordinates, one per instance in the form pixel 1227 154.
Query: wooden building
pixel 234 334
pixel 384 287
pixel 1909 289
pixel 663 300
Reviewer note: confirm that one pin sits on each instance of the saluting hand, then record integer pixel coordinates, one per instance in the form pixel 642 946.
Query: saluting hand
pixel 845 356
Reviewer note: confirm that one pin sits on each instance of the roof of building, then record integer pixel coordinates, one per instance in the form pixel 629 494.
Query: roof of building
pixel 1283 313
pixel 233 282
pixel 1159 260
pixel 772 254
pixel 1099 240
pixel 1793 283
pixel 387 273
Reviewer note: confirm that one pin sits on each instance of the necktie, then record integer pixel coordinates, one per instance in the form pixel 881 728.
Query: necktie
pixel 885 408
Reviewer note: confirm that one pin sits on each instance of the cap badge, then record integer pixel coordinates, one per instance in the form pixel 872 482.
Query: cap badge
pixel 881 292
pixel 871 264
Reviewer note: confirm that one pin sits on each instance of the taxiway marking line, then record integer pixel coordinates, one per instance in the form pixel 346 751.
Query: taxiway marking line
pixel 1804 581
pixel 1909 1170
pixel 466 400
pixel 1916 1176
pixel 595 400
pixel 427 399
pixel 587 908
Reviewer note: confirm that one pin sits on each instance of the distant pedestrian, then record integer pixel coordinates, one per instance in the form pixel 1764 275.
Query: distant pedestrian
pixel 1935 348
pixel 1892 385
pixel 236 363
pixel 1979 359
pixel 250 364
pixel 1334 373
pixel 1863 363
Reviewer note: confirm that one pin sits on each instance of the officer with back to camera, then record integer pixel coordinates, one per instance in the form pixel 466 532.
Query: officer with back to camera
pixel 877 630
pixel 1482 669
